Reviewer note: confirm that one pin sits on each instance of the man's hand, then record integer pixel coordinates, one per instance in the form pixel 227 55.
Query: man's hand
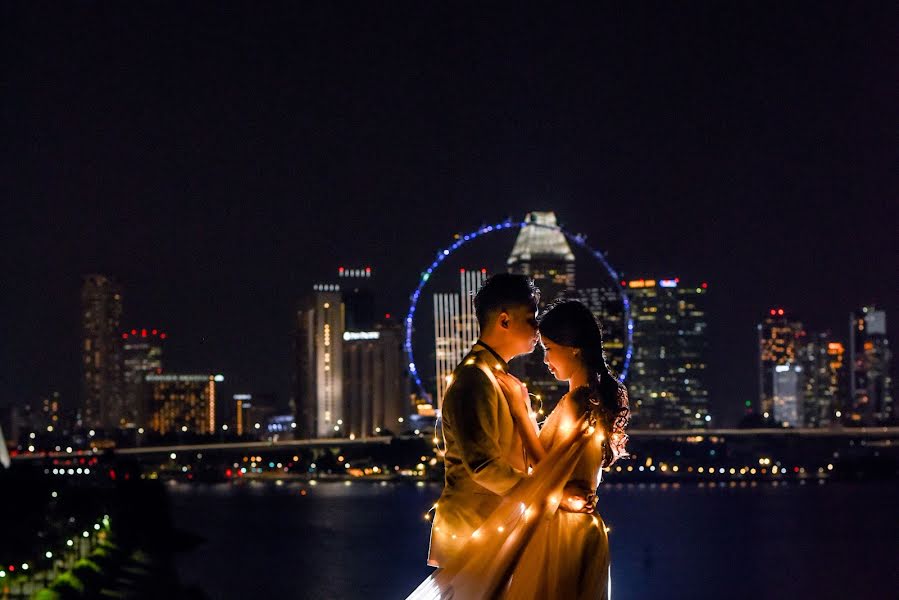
pixel 577 498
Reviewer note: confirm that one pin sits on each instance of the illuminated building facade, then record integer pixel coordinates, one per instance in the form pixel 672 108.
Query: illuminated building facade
pixel 824 384
pixel 779 339
pixel 455 326
pixel 182 402
pixel 376 393
pixel 252 412
pixel 606 305
pixel 319 368
pixel 666 382
pixel 141 356
pixel 101 359
pixel 870 393
pixel 542 253
pixel 786 399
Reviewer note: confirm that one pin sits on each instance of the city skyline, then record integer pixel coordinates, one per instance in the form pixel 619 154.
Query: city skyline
pixel 769 175
pixel 363 302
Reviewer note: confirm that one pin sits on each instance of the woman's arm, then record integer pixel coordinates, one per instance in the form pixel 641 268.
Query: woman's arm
pixel 519 403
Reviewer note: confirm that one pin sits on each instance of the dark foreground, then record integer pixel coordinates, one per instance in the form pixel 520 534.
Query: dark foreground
pixel 366 540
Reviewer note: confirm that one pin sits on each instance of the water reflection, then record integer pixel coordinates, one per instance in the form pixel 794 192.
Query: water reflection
pixel 367 540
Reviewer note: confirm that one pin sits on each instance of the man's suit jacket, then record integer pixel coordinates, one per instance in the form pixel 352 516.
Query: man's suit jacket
pixel 484 456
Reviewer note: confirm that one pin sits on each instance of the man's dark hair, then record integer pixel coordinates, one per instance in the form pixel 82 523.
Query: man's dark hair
pixel 502 292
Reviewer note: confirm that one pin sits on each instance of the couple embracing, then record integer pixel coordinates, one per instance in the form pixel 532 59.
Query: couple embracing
pixel 517 517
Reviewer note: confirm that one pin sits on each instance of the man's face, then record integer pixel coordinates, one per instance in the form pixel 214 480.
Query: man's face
pixel 521 329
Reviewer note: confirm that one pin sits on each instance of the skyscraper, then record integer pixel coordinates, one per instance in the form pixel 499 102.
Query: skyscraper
pixel 358 298
pixel 870 392
pixel 823 382
pixel 101 360
pixel 141 356
pixel 542 252
pixel 666 382
pixel 786 401
pixel 606 305
pixel 376 392
pixel 779 338
pixel 455 326
pixel 319 363
pixel 182 402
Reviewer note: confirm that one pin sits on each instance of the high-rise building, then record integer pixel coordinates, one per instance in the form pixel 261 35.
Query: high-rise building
pixel 319 363
pixel 253 411
pixel 46 416
pixel 542 252
pixel 870 392
pixel 779 337
pixel 823 380
pixel 358 298
pixel 455 326
pixel 606 305
pixel 375 391
pixel 101 360
pixel 182 402
pixel 666 381
pixel 141 356
pixel 786 399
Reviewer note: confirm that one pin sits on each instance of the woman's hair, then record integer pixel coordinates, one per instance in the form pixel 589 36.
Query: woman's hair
pixel 570 323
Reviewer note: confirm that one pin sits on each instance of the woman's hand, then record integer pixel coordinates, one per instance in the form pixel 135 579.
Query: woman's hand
pixel 577 498
pixel 517 394
pixel 520 406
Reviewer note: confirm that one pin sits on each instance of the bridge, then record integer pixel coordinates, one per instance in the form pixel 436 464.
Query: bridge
pixel 865 433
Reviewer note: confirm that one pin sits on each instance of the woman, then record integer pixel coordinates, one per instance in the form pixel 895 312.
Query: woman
pixel 529 548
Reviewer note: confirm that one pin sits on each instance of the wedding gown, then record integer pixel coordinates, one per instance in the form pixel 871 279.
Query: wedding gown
pixel 528 548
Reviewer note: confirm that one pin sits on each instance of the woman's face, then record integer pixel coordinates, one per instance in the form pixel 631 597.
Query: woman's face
pixel 562 361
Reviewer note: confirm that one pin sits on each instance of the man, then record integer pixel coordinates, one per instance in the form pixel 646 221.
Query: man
pixel 484 458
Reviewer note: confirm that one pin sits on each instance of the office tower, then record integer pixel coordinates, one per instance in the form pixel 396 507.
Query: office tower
pixel 455 326
pixel 823 380
pixel 606 305
pixel 779 339
pixel 141 356
pixel 45 416
pixel 182 403
pixel 101 361
pixel 319 363
pixel 870 392
pixel 376 388
pixel 542 252
pixel 358 298
pixel 786 402
pixel 253 411
pixel 666 381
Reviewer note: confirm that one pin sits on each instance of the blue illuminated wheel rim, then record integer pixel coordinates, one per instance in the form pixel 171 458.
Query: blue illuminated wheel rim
pixel 443 254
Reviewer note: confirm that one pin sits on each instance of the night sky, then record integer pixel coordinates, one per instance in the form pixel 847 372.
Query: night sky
pixel 219 160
